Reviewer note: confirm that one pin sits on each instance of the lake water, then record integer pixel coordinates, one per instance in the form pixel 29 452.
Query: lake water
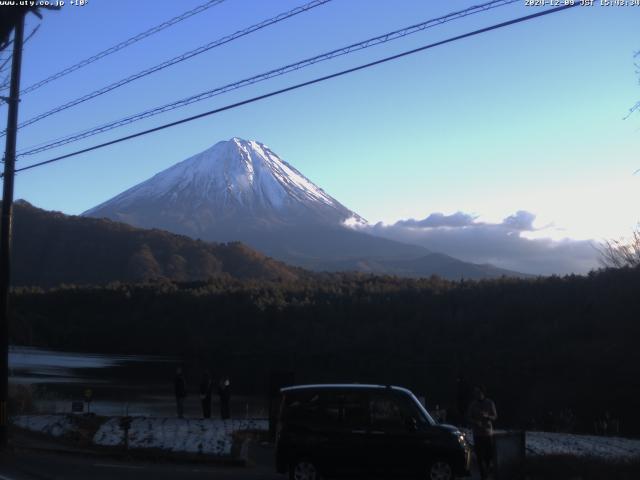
pixel 120 384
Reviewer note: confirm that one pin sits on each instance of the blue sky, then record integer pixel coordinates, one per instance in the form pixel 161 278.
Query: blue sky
pixel 525 118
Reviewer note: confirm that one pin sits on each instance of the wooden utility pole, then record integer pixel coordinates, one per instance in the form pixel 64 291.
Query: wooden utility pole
pixel 5 226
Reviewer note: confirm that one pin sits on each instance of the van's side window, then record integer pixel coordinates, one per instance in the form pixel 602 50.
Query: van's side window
pixel 385 412
pixel 410 411
pixel 346 409
pixel 303 408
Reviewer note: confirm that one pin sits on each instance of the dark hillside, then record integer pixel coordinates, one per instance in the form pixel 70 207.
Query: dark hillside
pixel 50 248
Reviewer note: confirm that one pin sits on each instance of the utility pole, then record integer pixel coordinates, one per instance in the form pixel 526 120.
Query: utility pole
pixel 5 226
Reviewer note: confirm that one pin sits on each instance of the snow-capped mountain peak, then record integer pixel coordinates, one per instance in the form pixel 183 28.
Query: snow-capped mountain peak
pixel 234 179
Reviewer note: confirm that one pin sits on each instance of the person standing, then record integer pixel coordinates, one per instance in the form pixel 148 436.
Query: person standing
pixel 224 390
pixel 180 389
pixel 206 387
pixel 482 414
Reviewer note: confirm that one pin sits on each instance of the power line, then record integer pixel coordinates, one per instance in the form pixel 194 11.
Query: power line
pixel 300 85
pixel 6 82
pixel 4 46
pixel 124 44
pixel 268 75
pixel 5 63
pixel 274 73
pixel 175 60
pixel 10 56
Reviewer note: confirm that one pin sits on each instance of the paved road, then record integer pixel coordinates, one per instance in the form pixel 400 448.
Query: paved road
pixel 26 465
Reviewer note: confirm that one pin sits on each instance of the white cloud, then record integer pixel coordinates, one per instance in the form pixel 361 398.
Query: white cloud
pixel 521 220
pixel 505 244
pixel 458 219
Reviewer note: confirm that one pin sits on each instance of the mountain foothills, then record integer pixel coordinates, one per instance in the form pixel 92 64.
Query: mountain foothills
pixel 50 248
pixel 240 190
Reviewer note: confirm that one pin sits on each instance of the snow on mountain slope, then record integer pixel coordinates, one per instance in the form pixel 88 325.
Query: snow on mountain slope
pixel 233 179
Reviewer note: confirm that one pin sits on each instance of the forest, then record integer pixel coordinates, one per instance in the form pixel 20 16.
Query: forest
pixel 539 345
pixel 50 248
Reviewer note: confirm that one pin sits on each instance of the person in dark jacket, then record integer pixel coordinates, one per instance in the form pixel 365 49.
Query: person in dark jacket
pixel 206 388
pixel 224 390
pixel 482 414
pixel 180 388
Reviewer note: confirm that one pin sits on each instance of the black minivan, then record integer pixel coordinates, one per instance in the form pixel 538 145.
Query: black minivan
pixel 354 430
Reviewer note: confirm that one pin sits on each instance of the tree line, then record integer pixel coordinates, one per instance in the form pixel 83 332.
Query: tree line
pixel 538 345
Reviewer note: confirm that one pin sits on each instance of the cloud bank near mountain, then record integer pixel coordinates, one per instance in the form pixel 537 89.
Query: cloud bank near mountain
pixel 507 244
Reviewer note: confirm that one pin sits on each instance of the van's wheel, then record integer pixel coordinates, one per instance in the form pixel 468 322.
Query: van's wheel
pixel 440 470
pixel 304 469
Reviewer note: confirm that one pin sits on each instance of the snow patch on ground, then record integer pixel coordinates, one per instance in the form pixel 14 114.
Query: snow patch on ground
pixel 215 437
pixel 54 425
pixel 608 448
pixel 209 437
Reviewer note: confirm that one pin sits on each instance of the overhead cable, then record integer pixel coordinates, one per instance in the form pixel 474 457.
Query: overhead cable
pixel 124 44
pixel 175 60
pixel 387 37
pixel 299 85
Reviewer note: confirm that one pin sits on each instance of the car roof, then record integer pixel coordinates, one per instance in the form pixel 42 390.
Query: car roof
pixel 343 386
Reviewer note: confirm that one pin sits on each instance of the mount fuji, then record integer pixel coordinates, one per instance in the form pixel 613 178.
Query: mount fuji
pixel 241 190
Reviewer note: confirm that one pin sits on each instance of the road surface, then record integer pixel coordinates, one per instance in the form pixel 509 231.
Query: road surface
pixel 29 465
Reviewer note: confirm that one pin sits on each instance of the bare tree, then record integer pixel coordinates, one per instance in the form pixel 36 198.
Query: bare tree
pixel 622 252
